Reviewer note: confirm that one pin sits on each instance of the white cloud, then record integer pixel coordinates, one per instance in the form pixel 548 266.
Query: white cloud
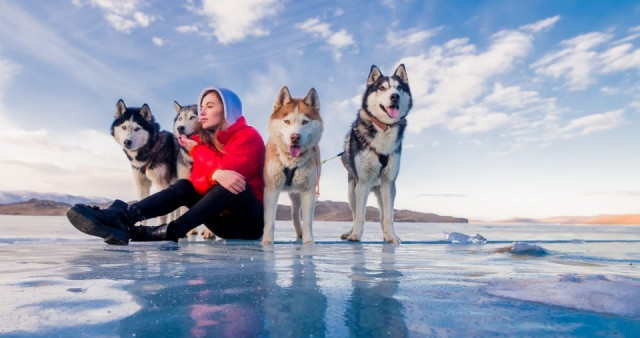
pixel 541 25
pixel 8 70
pixel 233 21
pixel 586 56
pixel 478 119
pixel 593 123
pixel 187 29
pixel 336 40
pixel 123 15
pixel 409 37
pixel 158 42
pixel 452 77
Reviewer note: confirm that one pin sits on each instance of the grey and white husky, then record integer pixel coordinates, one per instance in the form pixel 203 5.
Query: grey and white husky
pixel 373 146
pixel 151 151
pixel 186 123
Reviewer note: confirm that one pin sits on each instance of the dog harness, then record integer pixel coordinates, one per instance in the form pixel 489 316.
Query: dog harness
pixel 289 172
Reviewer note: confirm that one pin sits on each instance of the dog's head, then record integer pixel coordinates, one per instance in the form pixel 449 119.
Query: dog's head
pixel 388 98
pixel 186 121
pixel 133 127
pixel 295 122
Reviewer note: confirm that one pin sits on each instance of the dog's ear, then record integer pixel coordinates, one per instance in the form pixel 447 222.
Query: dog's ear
pixel 401 72
pixel 374 75
pixel 283 98
pixel 145 112
pixel 177 107
pixel 312 99
pixel 121 108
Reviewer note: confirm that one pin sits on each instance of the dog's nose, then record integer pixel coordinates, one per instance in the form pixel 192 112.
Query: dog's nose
pixel 127 143
pixel 395 97
pixel 181 129
pixel 295 138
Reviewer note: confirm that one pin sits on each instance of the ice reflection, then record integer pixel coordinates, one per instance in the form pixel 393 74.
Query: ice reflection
pixel 297 307
pixel 373 311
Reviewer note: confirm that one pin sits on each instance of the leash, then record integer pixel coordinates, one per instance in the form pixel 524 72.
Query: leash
pixel 331 158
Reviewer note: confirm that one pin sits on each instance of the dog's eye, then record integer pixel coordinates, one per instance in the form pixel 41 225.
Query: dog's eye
pixel 192 117
pixel 137 129
pixel 305 122
pixel 124 127
pixel 287 122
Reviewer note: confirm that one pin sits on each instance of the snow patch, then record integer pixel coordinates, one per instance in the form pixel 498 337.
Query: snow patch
pixel 609 294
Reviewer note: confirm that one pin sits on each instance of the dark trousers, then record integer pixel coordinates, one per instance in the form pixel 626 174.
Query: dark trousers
pixel 228 215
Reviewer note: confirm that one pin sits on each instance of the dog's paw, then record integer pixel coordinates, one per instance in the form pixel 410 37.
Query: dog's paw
pixel 345 236
pixel 208 234
pixel 353 238
pixel 394 240
pixel 266 242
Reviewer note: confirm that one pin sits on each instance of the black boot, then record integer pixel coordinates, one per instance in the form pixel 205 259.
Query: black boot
pixel 111 223
pixel 152 233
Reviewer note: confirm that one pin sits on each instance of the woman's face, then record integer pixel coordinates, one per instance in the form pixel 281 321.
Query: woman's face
pixel 211 111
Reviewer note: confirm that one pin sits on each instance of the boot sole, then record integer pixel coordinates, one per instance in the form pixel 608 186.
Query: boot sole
pixel 91 226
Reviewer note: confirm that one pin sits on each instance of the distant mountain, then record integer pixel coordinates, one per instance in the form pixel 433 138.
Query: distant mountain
pixel 599 219
pixel 340 212
pixel 325 211
pixel 22 196
pixel 34 207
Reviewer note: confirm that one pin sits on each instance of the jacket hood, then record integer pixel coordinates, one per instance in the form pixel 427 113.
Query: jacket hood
pixel 230 102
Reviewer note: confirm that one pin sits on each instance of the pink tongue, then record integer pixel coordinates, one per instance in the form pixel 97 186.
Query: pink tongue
pixel 295 151
pixel 392 112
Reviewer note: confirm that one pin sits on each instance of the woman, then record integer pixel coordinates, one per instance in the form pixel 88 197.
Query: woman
pixel 224 191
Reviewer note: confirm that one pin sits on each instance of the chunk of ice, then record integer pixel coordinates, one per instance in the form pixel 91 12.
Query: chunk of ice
pixel 460 238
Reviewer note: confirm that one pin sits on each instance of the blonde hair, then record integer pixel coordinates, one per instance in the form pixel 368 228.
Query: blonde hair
pixel 210 137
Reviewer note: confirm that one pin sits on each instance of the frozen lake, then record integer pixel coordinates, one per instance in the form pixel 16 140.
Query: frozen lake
pixel 570 281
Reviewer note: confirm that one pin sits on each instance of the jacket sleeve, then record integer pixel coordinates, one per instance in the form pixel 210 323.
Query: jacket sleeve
pixel 244 154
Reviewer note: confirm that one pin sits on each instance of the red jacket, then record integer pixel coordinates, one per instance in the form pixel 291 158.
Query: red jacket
pixel 244 153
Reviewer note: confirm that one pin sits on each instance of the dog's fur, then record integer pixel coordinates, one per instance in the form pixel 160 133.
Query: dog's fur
pixel 292 161
pixel 373 146
pixel 151 151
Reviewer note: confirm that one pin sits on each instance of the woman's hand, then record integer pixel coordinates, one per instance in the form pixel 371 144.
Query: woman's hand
pixel 231 180
pixel 186 142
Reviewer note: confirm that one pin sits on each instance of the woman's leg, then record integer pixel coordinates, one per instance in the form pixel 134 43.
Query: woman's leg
pixel 245 220
pixel 181 193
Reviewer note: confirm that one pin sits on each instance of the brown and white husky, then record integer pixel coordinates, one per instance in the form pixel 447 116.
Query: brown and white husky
pixel 292 161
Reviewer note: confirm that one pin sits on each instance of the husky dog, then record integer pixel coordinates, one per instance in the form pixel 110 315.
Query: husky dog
pixel 152 152
pixel 187 123
pixel 292 161
pixel 373 146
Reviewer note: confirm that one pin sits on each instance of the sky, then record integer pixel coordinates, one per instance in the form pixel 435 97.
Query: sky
pixel 521 108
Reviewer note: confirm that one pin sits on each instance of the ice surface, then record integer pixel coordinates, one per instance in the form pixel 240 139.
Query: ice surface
pixel 56 281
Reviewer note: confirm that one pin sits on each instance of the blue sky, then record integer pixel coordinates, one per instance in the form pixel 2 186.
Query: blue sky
pixel 521 108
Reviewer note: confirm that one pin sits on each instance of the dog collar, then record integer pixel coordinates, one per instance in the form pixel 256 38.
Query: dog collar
pixel 385 127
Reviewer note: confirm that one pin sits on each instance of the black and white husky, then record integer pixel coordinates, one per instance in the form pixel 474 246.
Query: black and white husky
pixel 373 146
pixel 151 151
